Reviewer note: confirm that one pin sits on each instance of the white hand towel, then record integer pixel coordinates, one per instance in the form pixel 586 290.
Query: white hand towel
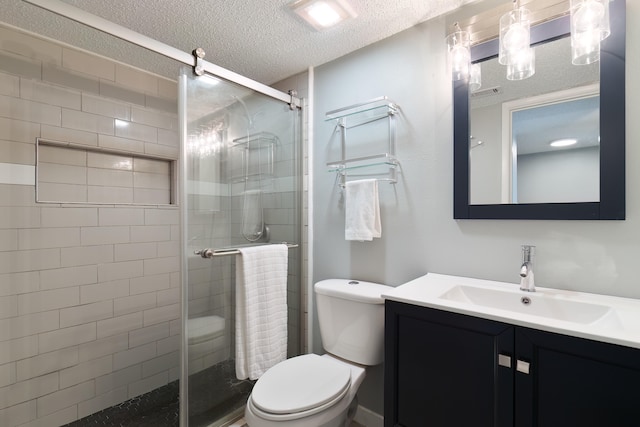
pixel 362 210
pixel 261 309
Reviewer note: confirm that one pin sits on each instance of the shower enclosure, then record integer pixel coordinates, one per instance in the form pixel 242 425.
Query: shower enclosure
pixel 240 186
pixel 107 314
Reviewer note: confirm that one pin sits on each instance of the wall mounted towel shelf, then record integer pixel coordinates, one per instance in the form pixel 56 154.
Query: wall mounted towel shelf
pixel 383 166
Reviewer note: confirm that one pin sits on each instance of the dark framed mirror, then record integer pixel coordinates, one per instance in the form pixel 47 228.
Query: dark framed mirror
pixel 606 200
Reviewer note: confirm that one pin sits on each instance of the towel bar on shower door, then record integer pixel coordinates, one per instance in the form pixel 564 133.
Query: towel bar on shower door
pixel 210 253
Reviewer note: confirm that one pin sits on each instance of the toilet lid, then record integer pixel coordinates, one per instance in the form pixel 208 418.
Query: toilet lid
pixel 300 383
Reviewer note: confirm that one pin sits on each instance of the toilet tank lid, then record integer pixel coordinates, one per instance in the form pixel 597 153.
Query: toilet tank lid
pixel 355 290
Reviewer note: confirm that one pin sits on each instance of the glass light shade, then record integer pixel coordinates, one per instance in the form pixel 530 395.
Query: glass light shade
pixel 475 77
pixel 458 54
pixel 589 25
pixel 514 33
pixel 522 64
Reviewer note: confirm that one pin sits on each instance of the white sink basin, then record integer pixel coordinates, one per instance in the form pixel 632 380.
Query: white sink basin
pixel 528 303
pixel 599 317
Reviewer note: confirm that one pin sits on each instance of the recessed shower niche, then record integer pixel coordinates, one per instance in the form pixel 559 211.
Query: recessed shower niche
pixel 72 173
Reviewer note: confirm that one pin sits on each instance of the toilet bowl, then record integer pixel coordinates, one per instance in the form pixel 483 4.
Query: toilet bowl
pixel 320 391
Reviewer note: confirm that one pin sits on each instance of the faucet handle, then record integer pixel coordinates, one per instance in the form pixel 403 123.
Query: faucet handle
pixel 528 251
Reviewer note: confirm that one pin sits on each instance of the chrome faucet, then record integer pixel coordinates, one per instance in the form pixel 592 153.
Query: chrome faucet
pixel 527 282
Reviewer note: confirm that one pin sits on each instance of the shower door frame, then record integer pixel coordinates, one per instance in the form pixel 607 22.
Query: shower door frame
pixel 68 11
pixel 298 132
pixel 83 17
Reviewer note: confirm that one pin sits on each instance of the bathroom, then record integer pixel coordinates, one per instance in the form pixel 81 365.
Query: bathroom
pixel 419 234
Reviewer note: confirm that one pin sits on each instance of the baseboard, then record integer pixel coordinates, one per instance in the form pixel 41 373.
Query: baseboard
pixel 368 418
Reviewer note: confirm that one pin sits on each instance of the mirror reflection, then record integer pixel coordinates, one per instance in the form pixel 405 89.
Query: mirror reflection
pixel 514 123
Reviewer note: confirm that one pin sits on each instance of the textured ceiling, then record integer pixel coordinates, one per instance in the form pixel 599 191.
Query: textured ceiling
pixel 260 39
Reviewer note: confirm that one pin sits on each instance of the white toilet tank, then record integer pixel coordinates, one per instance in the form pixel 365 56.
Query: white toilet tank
pixel 351 316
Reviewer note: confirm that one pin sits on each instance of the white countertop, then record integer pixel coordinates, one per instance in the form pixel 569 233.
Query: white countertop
pixel 619 322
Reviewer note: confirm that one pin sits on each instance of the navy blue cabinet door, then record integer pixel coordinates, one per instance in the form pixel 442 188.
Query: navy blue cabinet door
pixel 575 382
pixel 442 369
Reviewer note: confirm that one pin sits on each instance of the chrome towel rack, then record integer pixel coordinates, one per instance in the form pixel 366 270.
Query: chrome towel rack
pixel 382 166
pixel 211 253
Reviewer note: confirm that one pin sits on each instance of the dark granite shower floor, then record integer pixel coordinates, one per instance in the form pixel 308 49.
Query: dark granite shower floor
pixel 214 393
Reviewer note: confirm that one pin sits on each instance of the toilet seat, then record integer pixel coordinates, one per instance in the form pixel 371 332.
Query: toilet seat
pixel 299 387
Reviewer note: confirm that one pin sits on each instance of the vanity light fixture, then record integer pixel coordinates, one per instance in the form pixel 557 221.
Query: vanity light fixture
pixel 589 26
pixel 458 53
pixel 323 14
pixel 522 65
pixel 514 43
pixel 475 77
pixel 589 20
pixel 563 142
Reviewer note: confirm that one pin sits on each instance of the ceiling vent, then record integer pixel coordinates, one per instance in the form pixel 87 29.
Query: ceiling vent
pixel 487 92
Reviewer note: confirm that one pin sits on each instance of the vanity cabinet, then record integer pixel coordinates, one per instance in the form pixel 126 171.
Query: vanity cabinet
pixel 444 369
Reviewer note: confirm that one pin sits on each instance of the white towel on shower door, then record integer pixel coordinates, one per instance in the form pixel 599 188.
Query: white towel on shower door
pixel 261 309
pixel 362 210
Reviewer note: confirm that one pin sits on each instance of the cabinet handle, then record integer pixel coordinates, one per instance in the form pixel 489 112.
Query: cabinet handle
pixel 522 366
pixel 504 360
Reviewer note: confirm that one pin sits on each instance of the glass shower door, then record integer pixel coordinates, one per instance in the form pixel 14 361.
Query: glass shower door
pixel 241 186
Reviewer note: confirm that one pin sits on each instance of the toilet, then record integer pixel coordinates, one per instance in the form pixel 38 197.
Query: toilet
pixel 312 390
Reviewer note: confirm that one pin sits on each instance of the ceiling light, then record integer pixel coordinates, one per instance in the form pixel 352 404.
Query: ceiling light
pixel 208 80
pixel 563 142
pixel 323 14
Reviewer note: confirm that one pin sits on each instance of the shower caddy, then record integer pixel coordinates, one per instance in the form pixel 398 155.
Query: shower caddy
pixel 260 146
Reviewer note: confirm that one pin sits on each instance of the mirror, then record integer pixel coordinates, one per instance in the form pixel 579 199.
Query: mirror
pixel 499 174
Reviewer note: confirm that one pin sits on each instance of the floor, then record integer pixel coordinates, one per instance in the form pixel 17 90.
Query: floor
pixel 241 423
pixel 214 393
pixel 159 407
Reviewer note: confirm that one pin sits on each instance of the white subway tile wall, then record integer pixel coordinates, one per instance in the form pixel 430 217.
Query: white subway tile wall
pixel 300 83
pixel 73 174
pixel 89 294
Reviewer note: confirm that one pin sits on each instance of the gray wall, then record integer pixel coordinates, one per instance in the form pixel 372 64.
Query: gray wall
pixel 418 232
